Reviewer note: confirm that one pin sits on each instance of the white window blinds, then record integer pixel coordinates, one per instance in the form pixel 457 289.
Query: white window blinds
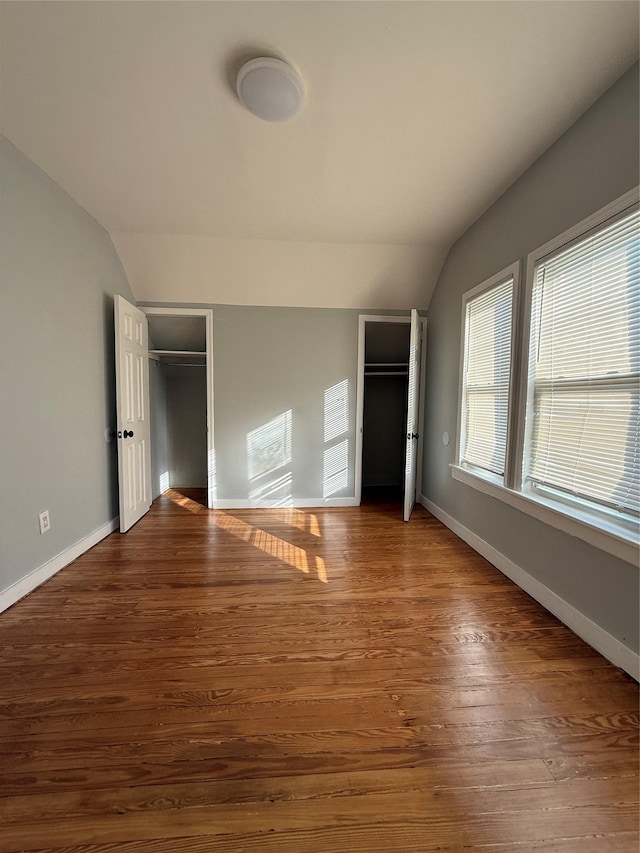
pixel 486 372
pixel 584 368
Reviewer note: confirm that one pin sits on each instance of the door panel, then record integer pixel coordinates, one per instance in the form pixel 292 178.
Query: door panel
pixel 411 461
pixel 132 412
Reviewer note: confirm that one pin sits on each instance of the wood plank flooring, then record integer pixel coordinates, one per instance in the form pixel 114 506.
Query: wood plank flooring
pixel 304 682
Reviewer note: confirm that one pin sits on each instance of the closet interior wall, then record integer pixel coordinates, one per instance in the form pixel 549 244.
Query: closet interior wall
pixel 385 405
pixel 160 444
pixel 178 402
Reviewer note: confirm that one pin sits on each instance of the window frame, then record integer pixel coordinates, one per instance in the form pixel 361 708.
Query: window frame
pixel 510 272
pixel 577 518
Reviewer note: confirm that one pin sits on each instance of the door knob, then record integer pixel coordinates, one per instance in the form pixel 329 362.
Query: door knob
pixel 128 434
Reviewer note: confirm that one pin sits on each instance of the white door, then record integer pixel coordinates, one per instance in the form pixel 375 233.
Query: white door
pixel 413 416
pixel 132 413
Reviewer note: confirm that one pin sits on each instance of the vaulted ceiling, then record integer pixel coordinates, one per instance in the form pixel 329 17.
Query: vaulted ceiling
pixel 418 115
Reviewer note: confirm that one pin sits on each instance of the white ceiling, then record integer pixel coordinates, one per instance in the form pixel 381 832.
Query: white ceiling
pixel 418 114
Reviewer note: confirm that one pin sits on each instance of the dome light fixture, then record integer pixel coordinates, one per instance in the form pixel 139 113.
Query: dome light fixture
pixel 270 89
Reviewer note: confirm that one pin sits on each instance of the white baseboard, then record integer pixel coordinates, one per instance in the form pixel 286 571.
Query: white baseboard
pixel 589 631
pixel 295 503
pixel 38 576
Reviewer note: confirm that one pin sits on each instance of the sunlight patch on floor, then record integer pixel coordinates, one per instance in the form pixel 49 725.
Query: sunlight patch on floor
pixel 272 545
pixel 184 502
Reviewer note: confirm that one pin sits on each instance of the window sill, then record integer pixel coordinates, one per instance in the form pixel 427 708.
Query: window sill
pixel 607 536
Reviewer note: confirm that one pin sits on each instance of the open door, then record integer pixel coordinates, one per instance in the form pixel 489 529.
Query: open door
pixel 413 410
pixel 132 412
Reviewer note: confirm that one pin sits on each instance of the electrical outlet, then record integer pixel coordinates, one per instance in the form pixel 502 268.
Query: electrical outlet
pixel 45 523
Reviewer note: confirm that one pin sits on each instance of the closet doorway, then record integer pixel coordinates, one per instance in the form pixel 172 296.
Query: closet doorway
pixel 181 399
pixel 390 409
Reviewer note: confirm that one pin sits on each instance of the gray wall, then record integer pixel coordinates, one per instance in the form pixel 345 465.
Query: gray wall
pixel 384 430
pixel 59 272
pixel 187 421
pixel 274 369
pixel 593 163
pixel 385 406
pixel 160 473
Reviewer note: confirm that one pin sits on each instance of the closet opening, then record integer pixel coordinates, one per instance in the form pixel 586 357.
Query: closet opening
pixel 181 404
pixel 386 381
pixel 387 452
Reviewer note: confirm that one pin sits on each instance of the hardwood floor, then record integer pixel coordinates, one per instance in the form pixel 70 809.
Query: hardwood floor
pixel 305 682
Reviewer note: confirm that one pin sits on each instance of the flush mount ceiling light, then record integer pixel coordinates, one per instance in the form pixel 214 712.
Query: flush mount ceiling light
pixel 270 89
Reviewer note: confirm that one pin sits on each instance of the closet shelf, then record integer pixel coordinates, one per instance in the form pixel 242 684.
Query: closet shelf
pixel 178 353
pixel 378 364
pixel 383 373
pixel 386 368
pixel 178 358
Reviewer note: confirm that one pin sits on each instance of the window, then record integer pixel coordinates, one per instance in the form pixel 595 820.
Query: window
pixel 552 424
pixel 486 373
pixel 584 367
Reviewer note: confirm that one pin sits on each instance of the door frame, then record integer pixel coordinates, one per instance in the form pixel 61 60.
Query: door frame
pixel 207 313
pixel 363 319
pixel 421 402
